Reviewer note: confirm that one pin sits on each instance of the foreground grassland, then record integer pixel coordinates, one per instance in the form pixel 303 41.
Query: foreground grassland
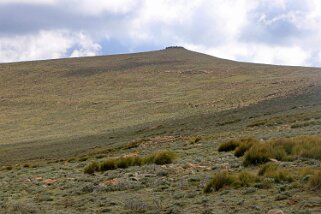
pixel 170 131
pixel 200 179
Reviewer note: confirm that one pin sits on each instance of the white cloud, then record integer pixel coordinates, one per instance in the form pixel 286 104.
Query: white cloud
pixel 27 1
pixel 87 47
pixel 257 53
pixel 46 45
pixel 96 7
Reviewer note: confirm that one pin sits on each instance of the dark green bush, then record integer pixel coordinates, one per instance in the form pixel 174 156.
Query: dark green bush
pixel 160 158
pixel 266 168
pixel 109 164
pixel 8 167
pixel 258 154
pixel 244 145
pixel 219 180
pixel 245 179
pixel 91 168
pixel 163 157
pixel 125 162
pixel 228 146
pixel 84 158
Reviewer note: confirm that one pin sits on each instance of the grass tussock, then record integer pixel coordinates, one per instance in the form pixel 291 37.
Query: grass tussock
pixel 245 179
pixel 224 179
pixel 91 168
pixel 315 181
pixel 240 146
pixel 219 181
pixel 159 158
pixel 284 149
pixel 244 145
pixel 271 170
pixel 228 146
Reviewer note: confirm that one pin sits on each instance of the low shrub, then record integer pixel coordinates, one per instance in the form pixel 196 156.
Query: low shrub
pixel 267 168
pixel 194 139
pixel 84 158
pixel 244 145
pixel 91 168
pixel 240 146
pixel 159 158
pixel 315 181
pixel 125 162
pixel 271 170
pixel 162 157
pixel 228 146
pixel 8 168
pixel 283 149
pixel 245 179
pixel 26 165
pixel 109 164
pixel 258 154
pixel 219 181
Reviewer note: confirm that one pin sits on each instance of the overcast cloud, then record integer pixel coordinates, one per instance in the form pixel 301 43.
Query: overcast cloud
pixel 268 31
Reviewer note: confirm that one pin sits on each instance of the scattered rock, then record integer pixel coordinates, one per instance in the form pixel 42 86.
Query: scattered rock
pixel 275 211
pixel 240 202
pixel 291 202
pixel 134 178
pixel 249 190
pixel 255 207
pixel 111 182
pixel 197 166
pixel 215 167
pixel 306 178
pixel 162 173
pixel 38 178
pixel 274 160
pixel 49 181
pixel 281 197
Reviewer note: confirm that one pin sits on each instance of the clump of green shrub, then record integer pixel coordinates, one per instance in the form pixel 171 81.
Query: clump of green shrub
pixel 284 149
pixel 91 168
pixel 240 146
pixel 228 146
pixel 8 168
pixel 267 168
pixel 223 179
pixel 109 164
pixel 219 181
pixel 245 179
pixel 271 170
pixel 159 158
pixel 83 158
pixel 125 162
pixel 258 154
pixel 244 145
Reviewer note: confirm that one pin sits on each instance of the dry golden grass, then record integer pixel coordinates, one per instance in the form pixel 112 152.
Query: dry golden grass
pixel 159 157
pixel 284 149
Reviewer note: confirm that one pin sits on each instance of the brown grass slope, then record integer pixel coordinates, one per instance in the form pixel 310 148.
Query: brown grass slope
pixel 45 102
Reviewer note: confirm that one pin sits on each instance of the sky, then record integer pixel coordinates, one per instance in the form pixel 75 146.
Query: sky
pixel 284 32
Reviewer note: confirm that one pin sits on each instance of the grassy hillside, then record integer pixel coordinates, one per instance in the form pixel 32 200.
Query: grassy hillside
pixel 58 101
